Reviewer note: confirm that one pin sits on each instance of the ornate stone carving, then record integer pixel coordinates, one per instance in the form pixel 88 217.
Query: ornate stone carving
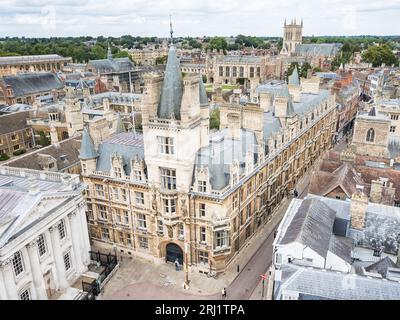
pixel 6 262
pixel 32 244
pixel 154 199
pixel 183 206
pixel 170 232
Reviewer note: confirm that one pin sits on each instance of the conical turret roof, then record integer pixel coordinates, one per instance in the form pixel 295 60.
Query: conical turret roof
pixel 172 91
pixel 294 77
pixel 120 125
pixel 203 94
pixel 87 147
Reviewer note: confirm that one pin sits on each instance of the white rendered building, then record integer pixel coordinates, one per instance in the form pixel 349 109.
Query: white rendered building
pixel 44 242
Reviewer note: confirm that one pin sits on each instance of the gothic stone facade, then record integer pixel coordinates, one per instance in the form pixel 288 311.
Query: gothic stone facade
pixel 175 187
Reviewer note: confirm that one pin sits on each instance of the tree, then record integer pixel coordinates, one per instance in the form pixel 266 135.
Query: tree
pixel 380 54
pixel 218 43
pixel 303 70
pixel 43 140
pixel 161 60
pixel 215 119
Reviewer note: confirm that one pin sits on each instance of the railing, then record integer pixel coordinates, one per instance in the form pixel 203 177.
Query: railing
pixel 110 264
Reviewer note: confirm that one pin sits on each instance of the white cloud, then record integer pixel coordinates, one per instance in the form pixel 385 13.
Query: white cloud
pixel 195 17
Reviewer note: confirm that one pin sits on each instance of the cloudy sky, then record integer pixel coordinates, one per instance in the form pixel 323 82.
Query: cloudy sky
pixel 37 18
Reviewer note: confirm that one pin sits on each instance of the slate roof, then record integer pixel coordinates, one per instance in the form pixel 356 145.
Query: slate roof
pixel 13 122
pixel 341 247
pixel 311 226
pixel 87 147
pixel 66 154
pixel 381 266
pixel 323 49
pixel 115 65
pixel 203 94
pixel 326 284
pixel 223 151
pixel 271 124
pixel 127 145
pixel 307 100
pixel 240 59
pixel 172 89
pixel 294 77
pixel 32 59
pixel 32 83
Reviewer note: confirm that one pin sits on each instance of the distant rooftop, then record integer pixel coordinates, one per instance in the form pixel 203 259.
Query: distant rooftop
pixel 32 59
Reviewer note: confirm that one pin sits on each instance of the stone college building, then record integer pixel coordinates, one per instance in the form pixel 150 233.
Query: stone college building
pixel 178 190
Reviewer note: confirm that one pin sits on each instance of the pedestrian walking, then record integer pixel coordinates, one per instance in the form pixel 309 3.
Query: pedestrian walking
pixel 223 293
pixel 176 264
pixel 295 193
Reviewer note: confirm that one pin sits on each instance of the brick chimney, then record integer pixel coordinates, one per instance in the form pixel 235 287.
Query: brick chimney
pixel 358 208
pixel 376 191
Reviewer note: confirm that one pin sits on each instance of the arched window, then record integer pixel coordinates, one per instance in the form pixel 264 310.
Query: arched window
pixel 234 72
pixel 371 135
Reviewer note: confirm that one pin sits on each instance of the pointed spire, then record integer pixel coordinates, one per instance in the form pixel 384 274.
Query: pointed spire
pixel 294 77
pixel 203 94
pixel 120 128
pixel 372 112
pixel 172 90
pixel 171 31
pixel 109 54
pixel 87 147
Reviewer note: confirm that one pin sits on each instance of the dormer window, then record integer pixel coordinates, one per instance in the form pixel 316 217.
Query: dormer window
pixel 117 172
pixel 138 175
pixel 202 186
pixel 166 145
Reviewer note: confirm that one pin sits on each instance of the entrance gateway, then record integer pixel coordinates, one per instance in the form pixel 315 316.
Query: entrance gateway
pixel 173 251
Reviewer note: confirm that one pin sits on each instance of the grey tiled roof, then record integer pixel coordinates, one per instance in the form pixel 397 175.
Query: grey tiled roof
pixel 32 83
pixel 172 90
pixel 341 247
pixel 294 77
pixel 87 147
pixel 381 266
pixel 203 94
pixel 223 151
pixel 32 59
pixel 13 122
pixel 323 49
pixel 126 145
pixel 320 283
pixel 112 65
pixel 66 154
pixel 312 226
pixel 239 59
pixel 271 125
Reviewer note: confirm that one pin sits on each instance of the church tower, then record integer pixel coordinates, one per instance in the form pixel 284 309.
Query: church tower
pixel 292 36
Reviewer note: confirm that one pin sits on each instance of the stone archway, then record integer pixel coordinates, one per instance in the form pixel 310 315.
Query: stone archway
pixel 173 252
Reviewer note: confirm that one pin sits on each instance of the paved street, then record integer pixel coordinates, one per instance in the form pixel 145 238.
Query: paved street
pixel 139 279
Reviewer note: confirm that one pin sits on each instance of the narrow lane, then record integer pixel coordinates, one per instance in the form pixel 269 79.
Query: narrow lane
pixel 244 284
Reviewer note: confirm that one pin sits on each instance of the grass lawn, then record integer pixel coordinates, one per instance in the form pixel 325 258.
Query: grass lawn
pixel 225 87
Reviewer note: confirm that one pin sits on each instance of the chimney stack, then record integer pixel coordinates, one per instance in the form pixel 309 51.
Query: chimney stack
pixel 358 208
